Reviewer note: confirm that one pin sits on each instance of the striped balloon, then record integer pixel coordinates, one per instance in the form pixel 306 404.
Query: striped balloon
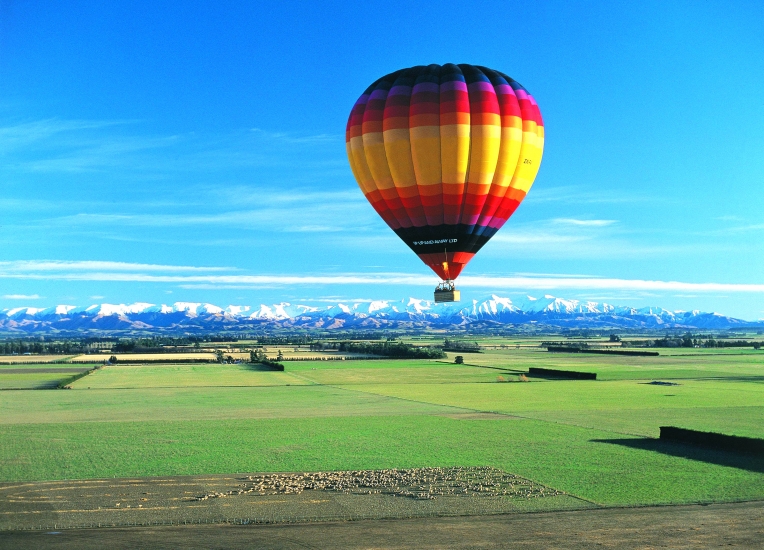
pixel 445 154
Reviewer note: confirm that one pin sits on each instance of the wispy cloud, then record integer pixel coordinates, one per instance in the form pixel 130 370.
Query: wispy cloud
pixel 306 217
pixel 579 194
pixel 299 210
pixel 190 275
pixel 556 275
pixel 24 134
pixel 22 296
pixel 208 286
pixel 579 238
pixel 538 238
pixel 584 223
pixel 739 229
pixel 32 266
pixel 79 146
pixel 296 138
pixel 542 283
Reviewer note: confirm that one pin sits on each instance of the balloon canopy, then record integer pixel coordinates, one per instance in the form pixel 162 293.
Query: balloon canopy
pixel 445 154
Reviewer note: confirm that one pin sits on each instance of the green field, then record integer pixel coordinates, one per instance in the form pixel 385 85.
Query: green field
pixel 592 439
pixel 183 376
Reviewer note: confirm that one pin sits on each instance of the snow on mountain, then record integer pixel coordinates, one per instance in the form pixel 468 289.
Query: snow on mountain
pixel 408 313
pixel 197 309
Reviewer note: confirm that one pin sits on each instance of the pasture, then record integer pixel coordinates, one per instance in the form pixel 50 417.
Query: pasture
pixel 183 376
pixel 36 376
pixel 593 440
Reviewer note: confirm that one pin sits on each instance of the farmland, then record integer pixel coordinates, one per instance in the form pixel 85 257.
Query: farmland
pixel 594 440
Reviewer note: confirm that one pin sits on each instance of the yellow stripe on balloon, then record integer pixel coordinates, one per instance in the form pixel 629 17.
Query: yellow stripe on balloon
pixel 425 155
pixel 376 159
pixel 398 152
pixel 454 152
pixel 360 167
pixel 485 141
pixel 511 143
pixel 530 157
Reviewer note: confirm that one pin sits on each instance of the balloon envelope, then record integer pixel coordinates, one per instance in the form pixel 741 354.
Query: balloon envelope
pixel 445 154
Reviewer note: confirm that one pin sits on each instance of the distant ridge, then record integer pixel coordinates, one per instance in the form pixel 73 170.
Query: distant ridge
pixel 409 313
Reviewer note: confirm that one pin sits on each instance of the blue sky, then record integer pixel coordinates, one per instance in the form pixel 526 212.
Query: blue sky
pixel 194 151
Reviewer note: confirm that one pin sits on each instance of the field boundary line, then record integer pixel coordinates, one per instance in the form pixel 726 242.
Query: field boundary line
pixel 475 411
pixel 501 413
pixel 483 367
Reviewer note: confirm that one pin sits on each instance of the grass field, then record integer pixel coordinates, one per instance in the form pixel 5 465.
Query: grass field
pixel 183 375
pixel 592 439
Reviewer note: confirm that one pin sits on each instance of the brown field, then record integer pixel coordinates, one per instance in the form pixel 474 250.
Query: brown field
pixel 180 357
pixel 738 525
pixel 261 498
pixel 289 354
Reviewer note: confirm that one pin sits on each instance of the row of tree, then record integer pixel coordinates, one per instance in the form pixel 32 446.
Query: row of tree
pixel 698 341
pixel 398 350
pixel 460 345
pixel 258 356
pixel 65 347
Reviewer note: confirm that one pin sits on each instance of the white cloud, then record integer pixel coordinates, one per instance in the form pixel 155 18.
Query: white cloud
pixel 579 194
pixel 555 275
pixel 22 296
pixel 95 265
pixel 584 223
pixel 78 146
pixel 23 134
pixel 536 238
pixel 297 212
pixel 294 138
pixel 190 277
pixel 542 283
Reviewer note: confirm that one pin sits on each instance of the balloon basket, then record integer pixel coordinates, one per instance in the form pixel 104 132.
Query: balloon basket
pixel 446 292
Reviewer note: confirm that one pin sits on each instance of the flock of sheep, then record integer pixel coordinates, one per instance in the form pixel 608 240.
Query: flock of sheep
pixel 417 483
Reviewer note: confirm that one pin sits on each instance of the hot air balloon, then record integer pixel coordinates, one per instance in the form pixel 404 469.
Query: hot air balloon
pixel 445 154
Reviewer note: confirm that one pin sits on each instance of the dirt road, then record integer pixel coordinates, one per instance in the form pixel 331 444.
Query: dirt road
pixel 728 525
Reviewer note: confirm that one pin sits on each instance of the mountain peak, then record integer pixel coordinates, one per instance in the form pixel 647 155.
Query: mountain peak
pixel 407 313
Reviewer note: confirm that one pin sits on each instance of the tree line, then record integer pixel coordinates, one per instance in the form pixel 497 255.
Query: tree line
pixel 65 347
pixel 460 345
pixel 258 356
pixel 398 350
pixel 690 341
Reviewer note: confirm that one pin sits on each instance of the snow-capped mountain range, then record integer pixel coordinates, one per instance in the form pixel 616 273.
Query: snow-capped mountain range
pixel 409 313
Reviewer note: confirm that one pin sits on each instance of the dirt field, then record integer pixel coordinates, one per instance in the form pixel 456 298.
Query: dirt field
pixel 269 498
pixel 728 525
